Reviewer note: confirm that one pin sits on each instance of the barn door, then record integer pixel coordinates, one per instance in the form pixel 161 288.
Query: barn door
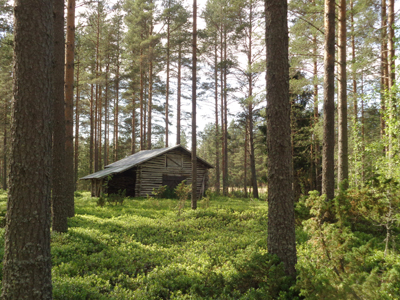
pixel 172 181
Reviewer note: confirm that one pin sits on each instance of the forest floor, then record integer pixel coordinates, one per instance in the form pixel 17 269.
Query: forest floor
pixel 152 249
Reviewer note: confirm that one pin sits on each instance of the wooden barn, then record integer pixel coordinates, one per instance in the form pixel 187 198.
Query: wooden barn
pixel 139 173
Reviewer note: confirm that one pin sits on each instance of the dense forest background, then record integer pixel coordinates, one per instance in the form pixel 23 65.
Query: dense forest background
pixel 132 87
pixel 130 80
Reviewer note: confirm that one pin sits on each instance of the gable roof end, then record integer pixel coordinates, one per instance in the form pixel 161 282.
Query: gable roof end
pixel 137 159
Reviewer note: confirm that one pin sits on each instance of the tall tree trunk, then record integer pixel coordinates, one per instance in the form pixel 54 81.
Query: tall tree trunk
pixel 96 145
pixel 328 172
pixel 142 119
pixel 391 41
pixel 96 110
pixel 76 152
pixel 224 114
pixel 116 103
pixel 27 257
pixel 59 207
pixel 384 65
pixel 133 141
pixel 178 103
pixel 246 141
pixel 316 117
pixel 362 131
pixel 343 158
pixel 391 71
pixel 222 111
pixel 252 156
pixel 99 125
pixel 167 87
pixel 281 224
pixel 5 145
pixel 145 105
pixel 69 108
pixel 106 125
pixel 217 137
pixel 353 61
pixel 91 138
pixel 150 98
pixel 251 133
pixel 194 91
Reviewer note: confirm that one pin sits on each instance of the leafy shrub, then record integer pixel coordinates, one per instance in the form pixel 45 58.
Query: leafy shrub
pixel 183 192
pixel 160 191
pixel 112 199
pixel 205 201
pixel 339 261
pixel 117 198
pixel 260 275
pixel 101 201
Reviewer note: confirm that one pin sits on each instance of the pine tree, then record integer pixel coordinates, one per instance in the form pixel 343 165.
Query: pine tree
pixel 27 257
pixel 69 111
pixel 59 199
pixel 194 96
pixel 281 227
pixel 328 173
pixel 343 158
pixel 250 16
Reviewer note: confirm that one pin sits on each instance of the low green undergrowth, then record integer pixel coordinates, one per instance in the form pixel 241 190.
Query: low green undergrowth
pixel 149 248
pixel 152 249
pixel 351 251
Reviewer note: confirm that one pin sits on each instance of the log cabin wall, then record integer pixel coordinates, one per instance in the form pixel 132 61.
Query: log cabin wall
pixel 97 187
pixel 174 163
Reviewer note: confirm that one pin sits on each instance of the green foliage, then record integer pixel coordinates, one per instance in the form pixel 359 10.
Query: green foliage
pixel 143 250
pixel 205 201
pixel 347 256
pixel 160 191
pixel 112 199
pixel 183 192
pixel 101 201
pixel 139 251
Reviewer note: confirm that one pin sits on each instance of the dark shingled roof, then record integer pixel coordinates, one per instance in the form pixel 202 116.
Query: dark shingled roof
pixel 137 159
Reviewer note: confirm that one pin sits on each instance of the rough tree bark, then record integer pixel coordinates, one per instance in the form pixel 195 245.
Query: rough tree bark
pixel 59 207
pixel 391 42
pixel 167 87
pixel 27 259
pixel 250 107
pixel 316 117
pixel 217 137
pixel 328 172
pixel 343 157
pixel 76 151
pixel 106 118
pixel 133 138
pixel 178 100
pixel 225 178
pixel 91 138
pixel 281 225
pixel 150 95
pixel 194 91
pixel 141 100
pixel 353 60
pixel 69 109
pixel 384 64
pixel 5 173
pixel 391 73
pixel 116 102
